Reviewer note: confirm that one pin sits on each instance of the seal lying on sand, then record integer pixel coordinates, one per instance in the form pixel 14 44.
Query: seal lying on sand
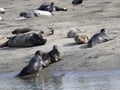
pixel 38 13
pixel 21 30
pixel 73 32
pixel 28 14
pixel 81 38
pixel 45 7
pixel 33 66
pixel 48 33
pixel 77 1
pixel 25 40
pixel 98 38
pixel 53 55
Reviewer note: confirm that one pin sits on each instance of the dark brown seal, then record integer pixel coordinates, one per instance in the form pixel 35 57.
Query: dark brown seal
pixel 75 2
pixel 25 40
pixel 21 30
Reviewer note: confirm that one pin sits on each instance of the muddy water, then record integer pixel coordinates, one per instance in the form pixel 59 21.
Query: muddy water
pixel 63 80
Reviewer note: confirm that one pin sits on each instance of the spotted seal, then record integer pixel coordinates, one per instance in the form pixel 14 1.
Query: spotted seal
pixel 98 38
pixel 53 55
pixel 33 66
pixel 25 40
pixel 77 2
pixel 81 38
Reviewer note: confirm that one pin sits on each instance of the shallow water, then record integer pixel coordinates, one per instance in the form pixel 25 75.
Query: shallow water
pixel 63 80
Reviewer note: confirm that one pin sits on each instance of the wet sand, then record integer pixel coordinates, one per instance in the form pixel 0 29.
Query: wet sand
pixel 89 17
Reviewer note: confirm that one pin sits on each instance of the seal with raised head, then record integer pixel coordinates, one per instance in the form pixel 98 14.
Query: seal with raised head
pixel 47 7
pixel 98 38
pixel 33 66
pixel 53 55
pixel 56 8
pixel 25 40
pixel 81 38
pixel 75 2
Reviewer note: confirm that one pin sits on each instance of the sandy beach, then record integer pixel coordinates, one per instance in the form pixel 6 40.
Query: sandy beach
pixel 89 17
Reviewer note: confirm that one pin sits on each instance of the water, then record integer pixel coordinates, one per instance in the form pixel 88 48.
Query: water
pixel 63 80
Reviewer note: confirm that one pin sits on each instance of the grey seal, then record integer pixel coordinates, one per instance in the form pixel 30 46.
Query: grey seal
pixel 33 66
pixel 25 40
pixel 45 5
pixel 53 55
pixel 28 14
pixel 81 38
pixel 98 38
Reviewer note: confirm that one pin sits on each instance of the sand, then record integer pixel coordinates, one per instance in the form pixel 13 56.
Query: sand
pixel 89 17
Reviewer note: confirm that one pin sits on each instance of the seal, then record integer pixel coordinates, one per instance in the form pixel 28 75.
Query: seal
pixel 28 14
pixel 45 6
pixel 73 32
pixel 53 55
pixel 2 10
pixel 33 66
pixel 21 30
pixel 77 2
pixel 38 13
pixel 48 33
pixel 98 38
pixel 25 40
pixel 81 38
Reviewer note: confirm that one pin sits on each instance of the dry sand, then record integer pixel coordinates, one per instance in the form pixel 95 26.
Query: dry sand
pixel 89 17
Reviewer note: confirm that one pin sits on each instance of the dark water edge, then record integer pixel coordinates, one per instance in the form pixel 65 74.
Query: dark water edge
pixel 63 80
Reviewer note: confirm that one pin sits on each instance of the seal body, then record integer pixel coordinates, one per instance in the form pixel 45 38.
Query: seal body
pixel 25 40
pixel 33 66
pixel 45 6
pixel 98 38
pixel 21 30
pixel 81 38
pixel 53 55
pixel 38 13
pixel 28 14
pixel 73 32
pixel 77 2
